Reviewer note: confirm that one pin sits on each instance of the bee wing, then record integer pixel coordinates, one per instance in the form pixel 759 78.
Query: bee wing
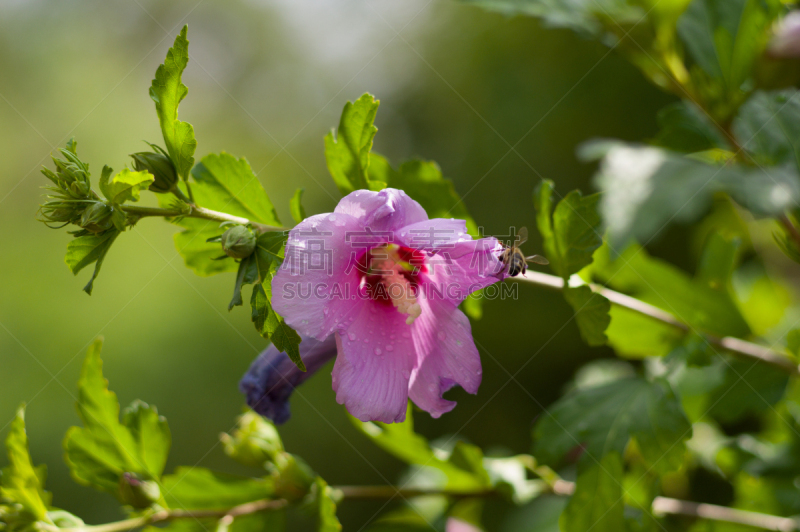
pixel 522 236
pixel 538 259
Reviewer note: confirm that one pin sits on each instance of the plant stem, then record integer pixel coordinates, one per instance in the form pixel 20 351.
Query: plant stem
pixel 197 212
pixel 735 346
pixel 661 506
pixel 170 515
pixel 668 506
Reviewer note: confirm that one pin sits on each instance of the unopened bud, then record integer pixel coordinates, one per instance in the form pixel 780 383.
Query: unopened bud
pixel 137 492
pixel 238 242
pixel 293 477
pixel 97 217
pixel 255 441
pixel 160 166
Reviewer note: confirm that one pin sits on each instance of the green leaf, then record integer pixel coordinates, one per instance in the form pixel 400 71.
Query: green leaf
pixel 100 452
pixel 591 313
pixel 268 258
pixel 686 128
pixel 462 472
pixel 748 388
pixel 573 234
pixel 222 183
pixel 768 126
pixel 645 189
pixel 152 433
pixel 725 37
pixel 695 302
pixel 21 483
pixel 126 185
pixel 197 487
pixel 347 151
pixel 326 507
pixel 84 250
pixel 167 90
pixel 634 335
pixel 603 419
pixel 296 207
pixel 234 187
pixel 597 503
pixel 583 16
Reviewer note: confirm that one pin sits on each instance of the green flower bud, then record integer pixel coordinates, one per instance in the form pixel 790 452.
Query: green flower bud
pixel 137 492
pixel 255 442
pixel 238 242
pixel 159 166
pixel 97 217
pixel 293 477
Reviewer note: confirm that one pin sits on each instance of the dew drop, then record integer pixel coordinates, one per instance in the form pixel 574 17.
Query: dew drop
pixel 378 351
pixel 479 372
pixel 366 340
pixel 390 347
pixel 352 336
pixel 326 310
pixel 442 335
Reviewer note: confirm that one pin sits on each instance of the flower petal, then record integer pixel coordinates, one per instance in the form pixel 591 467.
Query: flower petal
pixel 272 376
pixel 387 210
pixel 455 272
pixel 446 356
pixel 376 356
pixel 433 234
pixel 312 288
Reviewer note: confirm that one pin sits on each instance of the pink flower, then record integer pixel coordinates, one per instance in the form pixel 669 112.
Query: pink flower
pixel 457 525
pixel 786 41
pixel 387 281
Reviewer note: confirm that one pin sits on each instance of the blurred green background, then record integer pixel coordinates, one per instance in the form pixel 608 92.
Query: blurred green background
pixel 267 80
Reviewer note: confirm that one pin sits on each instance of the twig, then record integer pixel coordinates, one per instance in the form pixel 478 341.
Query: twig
pixel 197 212
pixel 668 506
pixel 735 346
pixel 170 515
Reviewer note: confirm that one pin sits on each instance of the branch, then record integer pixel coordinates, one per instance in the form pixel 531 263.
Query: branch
pixel 197 212
pixel 170 515
pixel 668 506
pixel 735 346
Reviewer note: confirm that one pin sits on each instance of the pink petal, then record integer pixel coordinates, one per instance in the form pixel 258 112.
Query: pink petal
pixel 457 525
pixel 387 210
pixel 370 376
pixel 455 272
pixel 446 356
pixel 305 290
pixel 433 234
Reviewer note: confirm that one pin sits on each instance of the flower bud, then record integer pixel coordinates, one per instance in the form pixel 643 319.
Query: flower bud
pixel 238 242
pixel 293 477
pixel 137 492
pixel 255 441
pixel 97 217
pixel 786 40
pixel 160 166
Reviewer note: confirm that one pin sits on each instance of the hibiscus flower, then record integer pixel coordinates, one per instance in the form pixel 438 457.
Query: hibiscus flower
pixel 385 282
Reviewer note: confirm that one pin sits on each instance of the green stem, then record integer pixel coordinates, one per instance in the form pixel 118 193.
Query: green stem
pixel 733 345
pixel 197 212
pixel 170 515
pixel 661 506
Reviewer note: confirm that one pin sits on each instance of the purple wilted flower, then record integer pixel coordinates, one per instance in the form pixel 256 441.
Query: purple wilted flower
pixel 786 41
pixel 386 282
pixel 272 376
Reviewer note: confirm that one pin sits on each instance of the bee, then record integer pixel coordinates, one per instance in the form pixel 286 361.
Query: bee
pixel 514 260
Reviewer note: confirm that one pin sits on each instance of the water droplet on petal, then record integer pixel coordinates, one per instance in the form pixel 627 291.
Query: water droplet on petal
pixel 406 334
pixel 390 347
pixel 366 340
pixel 479 372
pixel 352 336
pixel 326 310
pixel 442 335
pixel 378 351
